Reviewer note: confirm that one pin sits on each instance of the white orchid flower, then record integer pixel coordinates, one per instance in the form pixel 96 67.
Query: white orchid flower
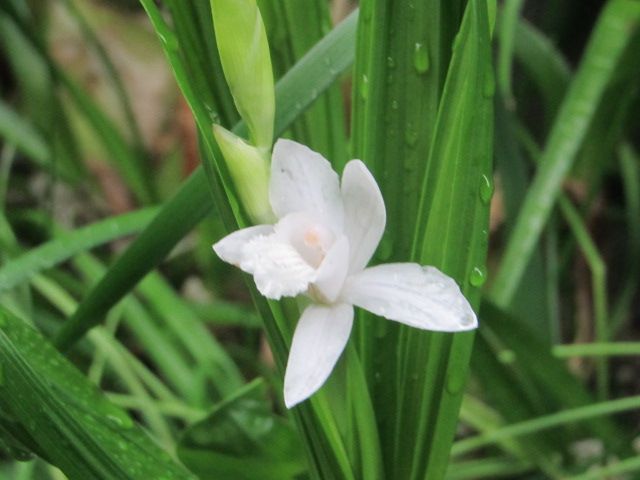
pixel 326 233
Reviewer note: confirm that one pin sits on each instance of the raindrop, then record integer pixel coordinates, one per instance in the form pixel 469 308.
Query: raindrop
pixel 394 104
pixel 420 58
pixel 391 63
pixel 506 356
pixel 410 135
pixel 364 87
pixel 120 419
pixel 169 40
pixel 455 382
pixel 478 276
pixel 486 189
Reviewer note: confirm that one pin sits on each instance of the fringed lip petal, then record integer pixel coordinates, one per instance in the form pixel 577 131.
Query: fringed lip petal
pixel 278 269
pixel 320 337
pixel 230 248
pixel 421 297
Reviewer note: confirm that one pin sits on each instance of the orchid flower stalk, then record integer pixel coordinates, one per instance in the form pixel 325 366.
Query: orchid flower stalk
pixel 326 233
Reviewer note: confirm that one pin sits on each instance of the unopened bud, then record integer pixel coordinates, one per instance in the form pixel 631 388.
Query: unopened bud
pixel 249 170
pixel 244 54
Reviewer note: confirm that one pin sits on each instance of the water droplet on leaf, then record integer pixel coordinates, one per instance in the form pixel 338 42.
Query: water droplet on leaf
pixel 364 87
pixel 420 58
pixel 410 135
pixel 486 189
pixel 478 276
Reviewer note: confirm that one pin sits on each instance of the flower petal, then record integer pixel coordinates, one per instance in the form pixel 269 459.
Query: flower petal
pixel 421 297
pixel 318 341
pixel 229 248
pixel 365 215
pixel 333 271
pixel 303 181
pixel 277 267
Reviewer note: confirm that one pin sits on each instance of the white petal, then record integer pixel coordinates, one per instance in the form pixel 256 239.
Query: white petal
pixel 277 268
pixel 422 297
pixel 230 247
pixel 333 271
pixel 365 215
pixel 303 181
pixel 318 341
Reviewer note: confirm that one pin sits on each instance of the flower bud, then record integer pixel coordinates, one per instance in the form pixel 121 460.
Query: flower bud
pixel 249 170
pixel 246 62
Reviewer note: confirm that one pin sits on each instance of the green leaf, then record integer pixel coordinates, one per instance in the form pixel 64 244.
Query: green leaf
pixel 615 28
pixel 49 402
pixel 191 204
pixel 242 439
pixel 19 132
pixel 67 244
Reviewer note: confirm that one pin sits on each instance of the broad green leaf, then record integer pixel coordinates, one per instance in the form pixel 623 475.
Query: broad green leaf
pixel 49 402
pixel 293 28
pixel 243 439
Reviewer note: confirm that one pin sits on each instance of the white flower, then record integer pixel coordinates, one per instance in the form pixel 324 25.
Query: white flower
pixel 327 231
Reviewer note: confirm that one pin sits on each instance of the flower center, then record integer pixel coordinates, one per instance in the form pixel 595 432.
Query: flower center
pixel 311 239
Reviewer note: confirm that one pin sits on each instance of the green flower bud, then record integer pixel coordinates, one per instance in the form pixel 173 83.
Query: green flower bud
pixel 249 170
pixel 244 54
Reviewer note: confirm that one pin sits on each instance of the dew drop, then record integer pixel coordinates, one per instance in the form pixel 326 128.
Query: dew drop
pixel 486 189
pixel 169 40
pixel 394 104
pixel 391 63
pixel 455 382
pixel 420 58
pixel 506 356
pixel 410 135
pixel 120 419
pixel 478 276
pixel 364 87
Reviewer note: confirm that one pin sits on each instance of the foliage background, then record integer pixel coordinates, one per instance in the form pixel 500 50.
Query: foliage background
pixel 99 144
